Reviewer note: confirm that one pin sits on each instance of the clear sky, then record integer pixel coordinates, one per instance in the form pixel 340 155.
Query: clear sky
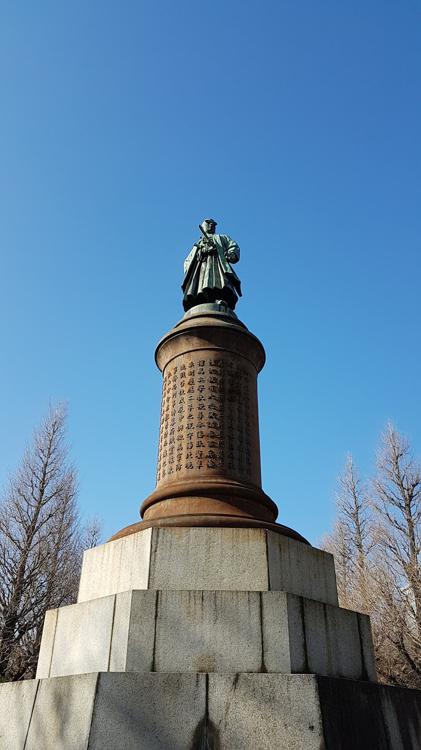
pixel 297 126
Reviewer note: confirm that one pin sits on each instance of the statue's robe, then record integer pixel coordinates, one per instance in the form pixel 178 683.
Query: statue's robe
pixel 211 278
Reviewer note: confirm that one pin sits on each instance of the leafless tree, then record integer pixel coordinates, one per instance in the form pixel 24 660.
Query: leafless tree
pixel 377 544
pixel 91 533
pixel 397 508
pixel 353 506
pixel 350 541
pixel 338 544
pixel 40 545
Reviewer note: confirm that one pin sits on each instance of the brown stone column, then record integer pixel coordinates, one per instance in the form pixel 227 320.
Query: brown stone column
pixel 208 471
pixel 209 453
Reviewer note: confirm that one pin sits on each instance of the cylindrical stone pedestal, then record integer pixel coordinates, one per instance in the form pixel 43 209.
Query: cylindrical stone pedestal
pixel 208 471
pixel 209 455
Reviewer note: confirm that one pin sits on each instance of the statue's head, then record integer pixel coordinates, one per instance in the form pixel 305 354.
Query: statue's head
pixel 209 225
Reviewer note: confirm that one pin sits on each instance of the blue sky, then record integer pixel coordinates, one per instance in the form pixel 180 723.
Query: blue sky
pixel 297 125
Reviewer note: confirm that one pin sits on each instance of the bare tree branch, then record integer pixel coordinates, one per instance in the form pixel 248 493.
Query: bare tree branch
pixel 377 547
pixel 40 545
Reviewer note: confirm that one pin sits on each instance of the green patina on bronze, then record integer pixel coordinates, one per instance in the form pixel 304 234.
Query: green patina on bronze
pixel 207 268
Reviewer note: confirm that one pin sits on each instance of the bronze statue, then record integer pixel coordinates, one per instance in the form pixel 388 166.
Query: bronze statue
pixel 207 268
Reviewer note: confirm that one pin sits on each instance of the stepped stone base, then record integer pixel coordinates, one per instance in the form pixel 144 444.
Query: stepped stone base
pixel 206 631
pixel 209 559
pixel 109 711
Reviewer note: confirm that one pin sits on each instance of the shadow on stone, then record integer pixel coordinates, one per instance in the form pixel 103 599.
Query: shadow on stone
pixel 205 736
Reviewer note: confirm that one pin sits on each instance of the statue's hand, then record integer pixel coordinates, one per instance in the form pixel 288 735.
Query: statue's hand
pixel 206 248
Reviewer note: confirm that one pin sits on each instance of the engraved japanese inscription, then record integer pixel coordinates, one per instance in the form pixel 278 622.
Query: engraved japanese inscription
pixel 205 418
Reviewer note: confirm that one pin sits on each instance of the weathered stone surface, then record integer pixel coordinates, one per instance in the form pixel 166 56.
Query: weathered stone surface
pixel 155 712
pixel 62 713
pixel 120 631
pixel 83 637
pixel 16 705
pixel 215 711
pixel 302 712
pixel 329 640
pixel 142 632
pixel 47 642
pixel 210 559
pixel 369 717
pixel 103 712
pixel 265 712
pixel 208 631
pixel 116 566
pixel 301 569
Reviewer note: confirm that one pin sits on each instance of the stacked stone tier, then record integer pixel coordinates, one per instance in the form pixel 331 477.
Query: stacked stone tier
pixel 206 631
pixel 111 711
pixel 207 600
pixel 197 639
pixel 216 559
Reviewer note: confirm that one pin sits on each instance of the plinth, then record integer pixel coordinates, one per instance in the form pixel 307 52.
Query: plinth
pixel 208 626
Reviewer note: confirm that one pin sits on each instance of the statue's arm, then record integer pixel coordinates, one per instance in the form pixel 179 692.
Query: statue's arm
pixel 231 249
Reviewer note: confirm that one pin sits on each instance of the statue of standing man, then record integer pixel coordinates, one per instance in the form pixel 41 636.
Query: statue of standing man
pixel 208 276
